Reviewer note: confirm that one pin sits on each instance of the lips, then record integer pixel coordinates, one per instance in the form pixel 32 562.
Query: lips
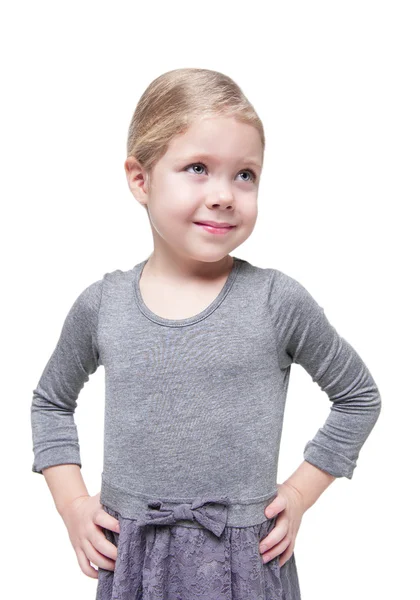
pixel 214 224
pixel 221 229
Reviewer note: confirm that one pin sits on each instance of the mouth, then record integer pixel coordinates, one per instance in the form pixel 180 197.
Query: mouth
pixel 221 229
pixel 215 225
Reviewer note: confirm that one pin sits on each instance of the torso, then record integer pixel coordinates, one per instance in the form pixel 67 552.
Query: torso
pixel 171 302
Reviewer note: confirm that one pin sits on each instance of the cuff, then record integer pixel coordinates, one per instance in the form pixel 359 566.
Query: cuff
pixel 329 461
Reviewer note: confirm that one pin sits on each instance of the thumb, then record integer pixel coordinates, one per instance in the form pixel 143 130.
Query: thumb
pixel 276 506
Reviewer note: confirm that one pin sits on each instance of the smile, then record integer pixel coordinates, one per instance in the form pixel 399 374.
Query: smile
pixel 215 230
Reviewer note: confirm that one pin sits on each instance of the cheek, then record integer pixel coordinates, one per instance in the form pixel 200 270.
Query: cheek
pixel 173 211
pixel 249 211
pixel 179 203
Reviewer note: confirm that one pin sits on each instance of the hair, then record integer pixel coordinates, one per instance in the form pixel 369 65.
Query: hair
pixel 174 100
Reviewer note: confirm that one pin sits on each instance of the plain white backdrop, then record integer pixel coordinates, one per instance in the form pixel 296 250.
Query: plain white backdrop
pixel 336 85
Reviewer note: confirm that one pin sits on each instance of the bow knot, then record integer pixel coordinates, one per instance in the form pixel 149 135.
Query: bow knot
pixel 210 512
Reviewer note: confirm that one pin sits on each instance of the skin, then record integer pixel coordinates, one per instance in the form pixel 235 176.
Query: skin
pixel 180 192
pixel 290 508
pixel 183 188
pixel 84 518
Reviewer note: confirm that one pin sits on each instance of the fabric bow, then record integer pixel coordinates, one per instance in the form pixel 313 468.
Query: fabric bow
pixel 208 511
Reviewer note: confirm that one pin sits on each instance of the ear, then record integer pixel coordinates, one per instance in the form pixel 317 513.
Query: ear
pixel 137 180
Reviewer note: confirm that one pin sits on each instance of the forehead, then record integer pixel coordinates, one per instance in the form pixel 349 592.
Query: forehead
pixel 220 138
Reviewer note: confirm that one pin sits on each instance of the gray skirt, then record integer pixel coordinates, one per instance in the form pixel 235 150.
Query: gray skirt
pixel 178 562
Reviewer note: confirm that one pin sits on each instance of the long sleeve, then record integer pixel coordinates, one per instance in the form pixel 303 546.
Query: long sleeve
pixel 312 342
pixel 74 359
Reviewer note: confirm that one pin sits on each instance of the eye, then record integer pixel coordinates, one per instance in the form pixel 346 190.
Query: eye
pixel 254 177
pixel 194 165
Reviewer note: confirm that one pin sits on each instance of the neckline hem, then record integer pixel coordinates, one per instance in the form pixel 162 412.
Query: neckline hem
pixel 237 262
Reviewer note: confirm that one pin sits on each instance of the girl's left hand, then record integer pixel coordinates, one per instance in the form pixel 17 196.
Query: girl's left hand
pixel 281 539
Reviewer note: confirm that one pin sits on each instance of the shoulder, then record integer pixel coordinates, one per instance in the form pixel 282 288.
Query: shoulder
pixel 120 277
pixel 279 291
pixel 285 294
pixel 88 301
pixel 86 306
pixel 264 277
pixel 281 287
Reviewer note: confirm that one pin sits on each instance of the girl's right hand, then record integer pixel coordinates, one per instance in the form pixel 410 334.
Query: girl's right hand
pixel 84 518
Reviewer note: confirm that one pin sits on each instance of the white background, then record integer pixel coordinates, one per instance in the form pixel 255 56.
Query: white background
pixel 336 85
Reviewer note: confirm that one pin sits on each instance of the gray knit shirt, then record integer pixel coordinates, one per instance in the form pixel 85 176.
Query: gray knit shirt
pixel 195 406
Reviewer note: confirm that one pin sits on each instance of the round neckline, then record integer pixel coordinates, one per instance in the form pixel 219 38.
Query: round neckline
pixel 138 270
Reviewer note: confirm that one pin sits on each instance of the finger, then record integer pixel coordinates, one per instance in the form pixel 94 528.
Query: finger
pixel 276 550
pixel 97 557
pixel 103 543
pixel 275 536
pixel 277 505
pixel 286 555
pixel 104 519
pixel 85 565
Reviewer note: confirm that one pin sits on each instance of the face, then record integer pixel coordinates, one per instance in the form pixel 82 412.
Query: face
pixel 209 173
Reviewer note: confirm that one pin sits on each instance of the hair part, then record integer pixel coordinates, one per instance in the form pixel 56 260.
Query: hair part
pixel 174 100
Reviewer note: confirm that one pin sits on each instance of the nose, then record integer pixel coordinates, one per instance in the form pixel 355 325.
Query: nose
pixel 224 200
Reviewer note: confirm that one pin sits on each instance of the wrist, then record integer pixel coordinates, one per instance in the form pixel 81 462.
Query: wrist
pixel 66 484
pixel 64 508
pixel 297 493
pixel 309 482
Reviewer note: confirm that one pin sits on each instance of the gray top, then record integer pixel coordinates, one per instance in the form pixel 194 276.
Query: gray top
pixel 194 407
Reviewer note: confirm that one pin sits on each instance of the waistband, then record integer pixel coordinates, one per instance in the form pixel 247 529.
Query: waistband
pixel 200 511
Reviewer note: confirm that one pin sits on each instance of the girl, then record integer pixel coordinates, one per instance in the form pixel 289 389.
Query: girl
pixel 197 347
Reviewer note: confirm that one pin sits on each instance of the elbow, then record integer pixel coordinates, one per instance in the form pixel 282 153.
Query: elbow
pixel 373 406
pixel 378 403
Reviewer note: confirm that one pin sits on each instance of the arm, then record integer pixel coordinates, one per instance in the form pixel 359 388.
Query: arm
pixel 65 483
pixel 306 337
pixel 310 482
pixel 54 432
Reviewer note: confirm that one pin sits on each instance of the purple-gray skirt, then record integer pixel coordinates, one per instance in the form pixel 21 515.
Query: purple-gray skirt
pixel 163 560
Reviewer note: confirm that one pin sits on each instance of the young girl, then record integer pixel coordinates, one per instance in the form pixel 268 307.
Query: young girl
pixel 197 347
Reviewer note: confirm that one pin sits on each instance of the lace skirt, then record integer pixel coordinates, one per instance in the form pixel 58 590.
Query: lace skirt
pixel 166 561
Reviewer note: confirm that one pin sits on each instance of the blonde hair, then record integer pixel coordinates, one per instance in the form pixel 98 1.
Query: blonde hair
pixel 174 100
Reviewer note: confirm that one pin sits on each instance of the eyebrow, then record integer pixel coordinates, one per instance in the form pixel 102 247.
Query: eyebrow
pixel 204 156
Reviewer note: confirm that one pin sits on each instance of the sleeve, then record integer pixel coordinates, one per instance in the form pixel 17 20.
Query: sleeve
pixel 74 359
pixel 313 342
